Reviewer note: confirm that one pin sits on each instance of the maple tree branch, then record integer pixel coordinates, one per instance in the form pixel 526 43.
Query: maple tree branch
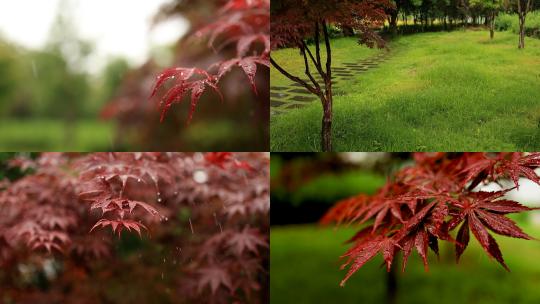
pixel 317 65
pixel 317 42
pixel 292 77
pixel 306 63
pixel 328 51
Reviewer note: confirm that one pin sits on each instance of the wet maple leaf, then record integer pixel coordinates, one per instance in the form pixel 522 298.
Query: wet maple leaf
pixel 244 23
pixel 423 203
pixel 213 277
pixel 224 159
pixel 246 240
pixel 118 225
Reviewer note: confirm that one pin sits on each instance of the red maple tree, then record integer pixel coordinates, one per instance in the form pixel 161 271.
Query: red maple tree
pixel 423 203
pixel 210 210
pixel 295 22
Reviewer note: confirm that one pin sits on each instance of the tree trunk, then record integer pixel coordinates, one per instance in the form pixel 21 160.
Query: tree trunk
pixel 521 44
pixel 393 22
pixel 391 286
pixel 348 31
pixel 326 130
pixel 492 25
pixel 326 127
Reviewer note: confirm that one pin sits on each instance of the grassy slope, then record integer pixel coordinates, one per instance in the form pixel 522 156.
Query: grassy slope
pixel 304 269
pixel 48 135
pixel 439 91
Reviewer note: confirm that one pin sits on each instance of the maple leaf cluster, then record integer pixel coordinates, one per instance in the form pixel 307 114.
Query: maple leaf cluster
pixel 74 207
pixel 423 203
pixel 243 23
pixel 293 21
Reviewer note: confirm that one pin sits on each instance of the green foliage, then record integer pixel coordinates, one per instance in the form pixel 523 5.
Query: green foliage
pixel 510 22
pixel 9 77
pixel 438 91
pixel 330 188
pixel 8 172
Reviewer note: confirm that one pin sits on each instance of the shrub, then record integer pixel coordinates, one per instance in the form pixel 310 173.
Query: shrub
pixel 510 22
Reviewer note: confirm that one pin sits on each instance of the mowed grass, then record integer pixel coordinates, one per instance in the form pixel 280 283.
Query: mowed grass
pixel 305 269
pixel 455 91
pixel 49 135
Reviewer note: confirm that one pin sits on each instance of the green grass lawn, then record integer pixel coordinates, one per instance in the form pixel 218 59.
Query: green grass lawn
pixel 305 269
pixel 48 135
pixel 454 91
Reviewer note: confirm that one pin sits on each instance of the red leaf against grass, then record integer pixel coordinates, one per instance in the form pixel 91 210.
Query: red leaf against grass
pixel 423 203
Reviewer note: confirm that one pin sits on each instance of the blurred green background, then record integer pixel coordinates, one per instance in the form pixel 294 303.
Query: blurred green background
pixel 305 256
pixel 46 104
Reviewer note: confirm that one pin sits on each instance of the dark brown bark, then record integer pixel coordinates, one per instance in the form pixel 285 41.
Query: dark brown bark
pixel 524 6
pixel 492 25
pixel 391 286
pixel 393 22
pixel 326 128
pixel 521 43
pixel 348 31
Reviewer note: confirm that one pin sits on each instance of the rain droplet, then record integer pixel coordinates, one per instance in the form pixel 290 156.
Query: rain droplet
pixel 34 69
pixel 138 180
pixel 191 226
pixel 159 199
pixel 162 276
pixel 200 176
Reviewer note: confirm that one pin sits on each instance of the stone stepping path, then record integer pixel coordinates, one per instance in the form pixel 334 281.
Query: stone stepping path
pixel 294 95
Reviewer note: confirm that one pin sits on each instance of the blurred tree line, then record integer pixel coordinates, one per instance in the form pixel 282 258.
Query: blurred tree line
pixel 52 82
pixel 40 83
pixel 305 185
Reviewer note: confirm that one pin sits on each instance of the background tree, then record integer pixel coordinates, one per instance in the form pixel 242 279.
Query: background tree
pixel 294 22
pixel 66 50
pixel 490 9
pixel 521 8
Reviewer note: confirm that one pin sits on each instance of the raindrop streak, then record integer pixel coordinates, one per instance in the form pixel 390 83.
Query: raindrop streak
pixel 191 226
pixel 218 223
pixel 34 69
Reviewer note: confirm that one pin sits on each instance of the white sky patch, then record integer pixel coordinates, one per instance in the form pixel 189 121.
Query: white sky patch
pixel 117 27
pixel 528 193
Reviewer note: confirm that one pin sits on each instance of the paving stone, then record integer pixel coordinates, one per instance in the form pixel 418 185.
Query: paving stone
pixel 276 103
pixel 278 95
pixel 296 106
pixel 278 88
pixel 296 96
pixel 303 98
pixel 300 91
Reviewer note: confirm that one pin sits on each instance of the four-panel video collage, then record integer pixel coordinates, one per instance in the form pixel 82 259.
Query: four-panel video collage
pixel 269 151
